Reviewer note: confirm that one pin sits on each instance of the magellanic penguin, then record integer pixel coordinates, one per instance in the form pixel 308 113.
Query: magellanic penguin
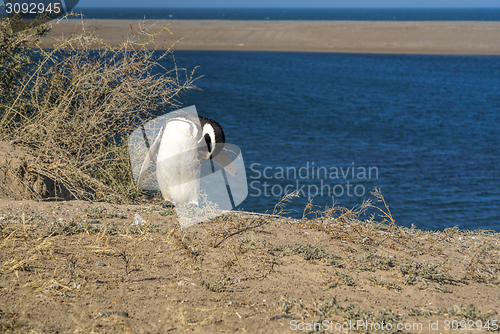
pixel 182 144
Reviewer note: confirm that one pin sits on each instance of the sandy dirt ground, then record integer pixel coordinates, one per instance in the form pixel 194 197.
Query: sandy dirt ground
pixel 453 37
pixel 78 266
pixel 85 267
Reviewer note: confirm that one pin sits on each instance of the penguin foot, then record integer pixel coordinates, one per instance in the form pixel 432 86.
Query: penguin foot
pixel 167 204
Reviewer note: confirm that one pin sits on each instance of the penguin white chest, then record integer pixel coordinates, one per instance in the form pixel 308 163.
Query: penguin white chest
pixel 178 168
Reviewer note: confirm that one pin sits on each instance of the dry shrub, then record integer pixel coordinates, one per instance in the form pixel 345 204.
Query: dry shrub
pixel 75 105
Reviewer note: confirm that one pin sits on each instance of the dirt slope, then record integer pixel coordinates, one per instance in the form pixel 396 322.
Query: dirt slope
pixel 80 266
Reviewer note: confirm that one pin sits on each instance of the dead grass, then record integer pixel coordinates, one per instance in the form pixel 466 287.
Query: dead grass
pixel 74 107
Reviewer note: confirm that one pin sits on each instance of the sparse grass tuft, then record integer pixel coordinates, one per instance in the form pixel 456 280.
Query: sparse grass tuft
pixel 168 212
pixel 384 284
pixel 337 313
pixel 371 261
pixel 100 212
pixel 346 279
pixel 246 244
pixel 468 312
pixel 73 227
pixel 413 271
pixel 220 284
pixel 309 252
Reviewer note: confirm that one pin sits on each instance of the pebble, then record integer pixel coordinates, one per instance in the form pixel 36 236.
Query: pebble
pixel 100 264
pixel 183 282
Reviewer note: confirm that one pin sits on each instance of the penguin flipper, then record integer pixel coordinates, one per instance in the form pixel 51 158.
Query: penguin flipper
pixel 153 150
pixel 224 160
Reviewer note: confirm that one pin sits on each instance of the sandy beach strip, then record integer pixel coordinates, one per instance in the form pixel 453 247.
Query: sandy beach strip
pixel 407 37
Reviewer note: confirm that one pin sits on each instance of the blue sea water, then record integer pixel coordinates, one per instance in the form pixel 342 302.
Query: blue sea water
pixel 423 128
pixel 357 14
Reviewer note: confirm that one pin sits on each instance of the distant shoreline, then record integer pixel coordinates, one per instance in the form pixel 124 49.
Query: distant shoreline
pixel 400 37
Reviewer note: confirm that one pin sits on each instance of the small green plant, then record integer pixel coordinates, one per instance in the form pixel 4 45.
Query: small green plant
pixel 100 213
pixel 143 228
pixel 253 244
pixel 308 252
pixel 468 312
pixel 413 271
pixel 384 284
pixel 167 212
pixel 346 279
pixel 371 261
pixel 73 227
pixel 332 310
pixel 220 285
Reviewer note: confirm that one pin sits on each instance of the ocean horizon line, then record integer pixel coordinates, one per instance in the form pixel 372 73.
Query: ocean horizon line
pixel 294 13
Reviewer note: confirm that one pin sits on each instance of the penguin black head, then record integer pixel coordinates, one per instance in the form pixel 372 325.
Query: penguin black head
pixel 213 136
